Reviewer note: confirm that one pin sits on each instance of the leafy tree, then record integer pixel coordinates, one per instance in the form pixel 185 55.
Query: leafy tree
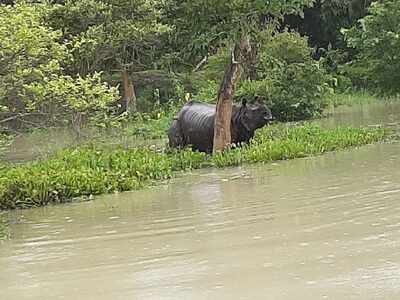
pixel 287 79
pixel 72 100
pixel 111 35
pixel 29 52
pixel 377 38
pixel 203 26
pixel 322 22
pixel 31 69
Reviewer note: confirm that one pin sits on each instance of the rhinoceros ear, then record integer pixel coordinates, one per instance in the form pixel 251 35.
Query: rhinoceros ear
pixel 244 102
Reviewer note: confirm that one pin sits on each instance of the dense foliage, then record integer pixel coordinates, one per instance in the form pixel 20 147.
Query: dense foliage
pixel 288 79
pixel 109 33
pixel 377 39
pixel 91 171
pixel 34 89
pixel 323 21
pixel 203 26
pixel 65 62
pixel 285 77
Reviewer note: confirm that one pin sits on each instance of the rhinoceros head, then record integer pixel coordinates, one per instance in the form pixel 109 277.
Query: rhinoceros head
pixel 255 115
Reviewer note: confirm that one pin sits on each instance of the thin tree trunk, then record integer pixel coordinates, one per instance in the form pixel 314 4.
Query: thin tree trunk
pixel 77 122
pixel 222 125
pixel 129 96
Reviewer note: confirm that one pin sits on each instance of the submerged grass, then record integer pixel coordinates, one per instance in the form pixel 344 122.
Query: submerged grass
pixel 90 171
pixel 5 141
pixel 352 98
pixel 4 233
pixel 358 98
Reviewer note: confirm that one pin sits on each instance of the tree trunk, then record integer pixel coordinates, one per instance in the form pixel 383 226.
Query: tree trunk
pixel 222 125
pixel 77 123
pixel 129 96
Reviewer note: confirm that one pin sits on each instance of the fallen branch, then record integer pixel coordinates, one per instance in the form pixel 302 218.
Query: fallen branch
pixel 19 116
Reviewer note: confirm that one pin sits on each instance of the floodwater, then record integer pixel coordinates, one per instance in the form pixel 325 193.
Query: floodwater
pixel 31 146
pixel 318 228
pixel 373 114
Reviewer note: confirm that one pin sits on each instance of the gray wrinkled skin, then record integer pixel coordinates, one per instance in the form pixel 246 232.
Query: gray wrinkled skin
pixel 194 125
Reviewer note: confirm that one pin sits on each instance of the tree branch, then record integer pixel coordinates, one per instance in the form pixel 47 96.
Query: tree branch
pixel 201 64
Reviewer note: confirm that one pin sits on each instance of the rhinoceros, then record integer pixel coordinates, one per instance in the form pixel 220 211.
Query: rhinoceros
pixel 194 124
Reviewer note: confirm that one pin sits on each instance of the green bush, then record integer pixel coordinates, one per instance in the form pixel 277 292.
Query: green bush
pixel 334 62
pixel 151 125
pixel 67 97
pixel 34 91
pixel 288 79
pixel 29 52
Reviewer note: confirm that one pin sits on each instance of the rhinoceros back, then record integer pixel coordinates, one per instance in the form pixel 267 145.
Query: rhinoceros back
pixel 197 125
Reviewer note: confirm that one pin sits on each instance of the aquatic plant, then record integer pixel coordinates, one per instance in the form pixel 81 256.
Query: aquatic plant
pixel 4 233
pixel 5 141
pixel 92 170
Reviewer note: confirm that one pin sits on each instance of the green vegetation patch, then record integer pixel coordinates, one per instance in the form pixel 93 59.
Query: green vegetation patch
pixel 5 141
pixel 92 171
pixel 4 233
pixel 353 98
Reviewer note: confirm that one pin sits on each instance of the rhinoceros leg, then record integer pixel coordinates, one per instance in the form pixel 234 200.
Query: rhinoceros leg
pixel 175 136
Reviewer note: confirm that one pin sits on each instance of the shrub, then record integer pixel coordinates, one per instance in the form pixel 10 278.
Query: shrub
pixel 29 52
pixel 34 90
pixel 66 97
pixel 288 79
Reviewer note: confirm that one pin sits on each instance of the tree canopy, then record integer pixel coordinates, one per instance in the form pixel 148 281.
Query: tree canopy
pixel 66 57
pixel 377 39
pixel 202 26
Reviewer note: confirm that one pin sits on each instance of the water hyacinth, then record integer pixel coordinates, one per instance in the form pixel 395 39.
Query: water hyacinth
pixel 90 170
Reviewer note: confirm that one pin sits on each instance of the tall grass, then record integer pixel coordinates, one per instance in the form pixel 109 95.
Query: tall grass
pixel 92 171
pixel 5 141
pixel 356 98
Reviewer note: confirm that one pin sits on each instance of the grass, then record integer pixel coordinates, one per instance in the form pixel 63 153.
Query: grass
pixel 142 129
pixel 357 98
pixel 90 170
pixel 5 141
pixel 4 233
pixel 353 98
pixel 151 127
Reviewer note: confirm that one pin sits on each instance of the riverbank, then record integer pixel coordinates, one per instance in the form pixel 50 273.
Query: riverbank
pixel 142 130
pixel 90 170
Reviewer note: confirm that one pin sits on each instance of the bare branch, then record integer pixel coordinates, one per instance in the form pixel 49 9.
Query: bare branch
pixel 201 64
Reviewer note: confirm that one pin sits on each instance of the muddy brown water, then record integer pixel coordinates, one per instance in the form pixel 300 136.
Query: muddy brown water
pixel 39 144
pixel 318 228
